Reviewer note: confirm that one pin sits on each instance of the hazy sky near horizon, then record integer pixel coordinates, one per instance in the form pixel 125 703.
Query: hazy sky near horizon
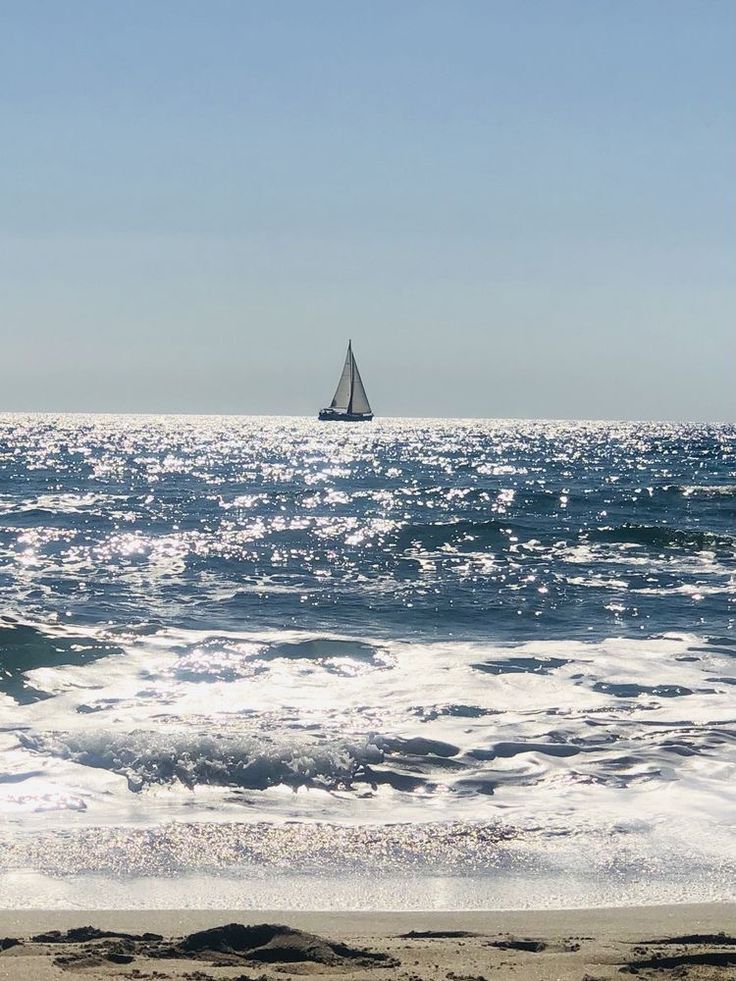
pixel 513 207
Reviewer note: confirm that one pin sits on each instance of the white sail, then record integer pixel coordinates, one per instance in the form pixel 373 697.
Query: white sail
pixel 359 401
pixel 341 399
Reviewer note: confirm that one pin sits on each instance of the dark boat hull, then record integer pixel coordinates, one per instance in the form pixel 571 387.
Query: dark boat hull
pixel 330 415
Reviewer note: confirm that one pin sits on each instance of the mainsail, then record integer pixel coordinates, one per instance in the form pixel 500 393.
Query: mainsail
pixel 341 399
pixel 350 396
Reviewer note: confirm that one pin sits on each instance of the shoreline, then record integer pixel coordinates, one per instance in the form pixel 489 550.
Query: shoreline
pixel 530 945
pixel 346 893
pixel 170 919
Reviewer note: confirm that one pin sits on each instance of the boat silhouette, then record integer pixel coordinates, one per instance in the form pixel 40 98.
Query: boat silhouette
pixel 350 402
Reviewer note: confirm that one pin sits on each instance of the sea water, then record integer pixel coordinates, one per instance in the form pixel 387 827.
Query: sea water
pixel 276 662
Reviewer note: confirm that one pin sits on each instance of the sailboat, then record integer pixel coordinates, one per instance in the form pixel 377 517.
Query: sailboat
pixel 350 403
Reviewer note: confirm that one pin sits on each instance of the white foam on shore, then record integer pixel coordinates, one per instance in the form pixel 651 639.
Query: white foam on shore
pixel 595 766
pixel 323 867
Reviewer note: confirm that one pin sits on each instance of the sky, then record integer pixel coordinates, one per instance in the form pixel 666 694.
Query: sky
pixel 515 208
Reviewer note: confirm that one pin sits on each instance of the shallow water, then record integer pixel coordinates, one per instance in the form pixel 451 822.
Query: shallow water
pixel 272 650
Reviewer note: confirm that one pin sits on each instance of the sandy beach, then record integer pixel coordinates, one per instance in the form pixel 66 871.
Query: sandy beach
pixel 653 942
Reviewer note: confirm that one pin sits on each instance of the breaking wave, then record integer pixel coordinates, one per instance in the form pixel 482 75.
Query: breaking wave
pixel 661 537
pixel 148 757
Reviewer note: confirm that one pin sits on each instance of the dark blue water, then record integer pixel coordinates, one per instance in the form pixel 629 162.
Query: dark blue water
pixel 472 529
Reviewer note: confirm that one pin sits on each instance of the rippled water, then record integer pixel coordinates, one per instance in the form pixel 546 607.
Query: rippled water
pixel 502 653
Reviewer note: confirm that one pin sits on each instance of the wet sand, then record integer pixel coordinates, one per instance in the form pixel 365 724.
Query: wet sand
pixel 659 942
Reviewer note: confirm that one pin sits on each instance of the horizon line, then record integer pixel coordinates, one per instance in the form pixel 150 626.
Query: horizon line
pixel 279 415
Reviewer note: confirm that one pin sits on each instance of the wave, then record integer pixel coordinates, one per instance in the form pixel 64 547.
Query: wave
pixel 24 648
pixel 147 757
pixel 657 536
pixel 434 535
pixel 253 762
pixel 709 490
pixel 259 761
pixel 219 660
pixel 656 492
pixel 321 649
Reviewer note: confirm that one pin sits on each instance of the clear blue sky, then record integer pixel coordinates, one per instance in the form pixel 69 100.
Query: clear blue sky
pixel 513 207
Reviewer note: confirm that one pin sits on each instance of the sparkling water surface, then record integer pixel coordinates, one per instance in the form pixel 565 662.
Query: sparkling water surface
pixel 259 652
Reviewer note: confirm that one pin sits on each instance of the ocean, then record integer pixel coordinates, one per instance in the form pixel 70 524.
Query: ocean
pixel 277 663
